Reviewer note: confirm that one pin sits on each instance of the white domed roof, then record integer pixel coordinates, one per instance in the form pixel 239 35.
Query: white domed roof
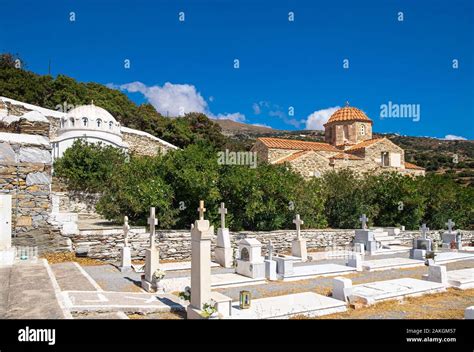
pixel 92 112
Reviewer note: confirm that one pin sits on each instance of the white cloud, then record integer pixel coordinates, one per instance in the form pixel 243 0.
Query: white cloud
pixel 176 99
pixel 452 137
pixel 256 109
pixel 317 119
pixel 261 125
pixel 236 116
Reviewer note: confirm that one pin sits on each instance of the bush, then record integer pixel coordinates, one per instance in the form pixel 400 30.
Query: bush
pixel 88 167
pixel 135 187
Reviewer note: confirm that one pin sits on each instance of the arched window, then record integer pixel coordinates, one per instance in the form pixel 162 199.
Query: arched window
pixel 63 123
pixel 71 120
pixel 362 130
pixel 85 121
pixel 99 123
pixel 111 124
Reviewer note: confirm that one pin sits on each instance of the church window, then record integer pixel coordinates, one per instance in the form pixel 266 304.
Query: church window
pixel 71 120
pixel 385 159
pixel 362 130
pixel 85 121
pixel 346 132
pixel 111 124
pixel 99 123
pixel 63 123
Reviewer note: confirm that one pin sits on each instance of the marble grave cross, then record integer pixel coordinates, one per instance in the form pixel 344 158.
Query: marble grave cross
pixel 450 225
pixel 270 250
pixel 222 210
pixel 424 229
pixel 298 222
pixel 201 210
pixel 152 221
pixel 126 228
pixel 363 219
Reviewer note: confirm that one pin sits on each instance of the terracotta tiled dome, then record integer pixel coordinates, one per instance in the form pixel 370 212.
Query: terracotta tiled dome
pixel 348 113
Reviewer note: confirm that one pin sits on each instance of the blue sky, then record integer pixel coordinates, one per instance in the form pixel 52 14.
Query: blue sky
pixel 182 66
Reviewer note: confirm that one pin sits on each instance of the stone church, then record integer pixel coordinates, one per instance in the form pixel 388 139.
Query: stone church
pixel 348 144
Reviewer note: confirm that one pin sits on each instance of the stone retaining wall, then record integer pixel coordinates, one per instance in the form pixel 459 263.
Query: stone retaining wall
pixel 176 244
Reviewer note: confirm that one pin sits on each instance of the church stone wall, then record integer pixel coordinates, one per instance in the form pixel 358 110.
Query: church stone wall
pixel 307 164
pixel 141 144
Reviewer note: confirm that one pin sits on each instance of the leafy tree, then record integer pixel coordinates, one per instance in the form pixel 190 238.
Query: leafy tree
pixel 193 173
pixel 447 200
pixel 345 199
pixel 395 199
pixel 88 167
pixel 136 186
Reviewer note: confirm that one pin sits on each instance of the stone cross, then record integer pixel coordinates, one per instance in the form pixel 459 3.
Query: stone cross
pixel 201 210
pixel 126 228
pixel 298 222
pixel 363 219
pixel 450 225
pixel 424 229
pixel 152 221
pixel 270 250
pixel 222 211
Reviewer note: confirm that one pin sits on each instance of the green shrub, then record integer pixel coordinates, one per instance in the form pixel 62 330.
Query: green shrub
pixel 88 167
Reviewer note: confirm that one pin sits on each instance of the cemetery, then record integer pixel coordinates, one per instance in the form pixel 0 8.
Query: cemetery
pixel 230 276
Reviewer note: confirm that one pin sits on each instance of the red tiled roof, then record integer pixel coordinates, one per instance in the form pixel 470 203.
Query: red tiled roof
pixel 292 156
pixel 346 156
pixel 412 166
pixel 348 113
pixel 278 143
pixel 364 144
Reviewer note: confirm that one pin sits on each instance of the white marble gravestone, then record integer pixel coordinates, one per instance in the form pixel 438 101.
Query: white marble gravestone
pixel 152 256
pixel 270 264
pixel 421 245
pixel 451 237
pixel 201 236
pixel 223 250
pixel 365 236
pixel 298 246
pixel 126 257
pixel 7 253
pixel 250 262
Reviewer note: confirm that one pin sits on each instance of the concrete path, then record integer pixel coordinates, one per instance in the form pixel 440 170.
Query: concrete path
pixel 29 291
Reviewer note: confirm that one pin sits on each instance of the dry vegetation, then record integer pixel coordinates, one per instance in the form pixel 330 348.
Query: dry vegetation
pixel 445 305
pixel 62 257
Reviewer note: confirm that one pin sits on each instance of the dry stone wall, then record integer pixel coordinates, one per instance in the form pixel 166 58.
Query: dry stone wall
pixel 176 244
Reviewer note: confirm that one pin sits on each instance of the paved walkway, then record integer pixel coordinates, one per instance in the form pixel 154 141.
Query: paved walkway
pixel 27 292
pixel 70 277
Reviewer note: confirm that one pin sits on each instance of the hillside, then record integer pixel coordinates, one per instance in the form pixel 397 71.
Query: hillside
pixel 233 128
pixel 454 158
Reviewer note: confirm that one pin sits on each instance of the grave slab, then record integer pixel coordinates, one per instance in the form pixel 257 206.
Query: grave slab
pixel 217 281
pixel 310 271
pixel 391 263
pixel 374 292
pixel 309 304
pixel 462 279
pixel 449 257
pixel 81 301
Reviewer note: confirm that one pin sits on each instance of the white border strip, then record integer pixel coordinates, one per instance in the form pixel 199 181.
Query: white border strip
pixel 57 291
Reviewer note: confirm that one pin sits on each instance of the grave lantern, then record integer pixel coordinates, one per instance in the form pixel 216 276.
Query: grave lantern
pixel 245 298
